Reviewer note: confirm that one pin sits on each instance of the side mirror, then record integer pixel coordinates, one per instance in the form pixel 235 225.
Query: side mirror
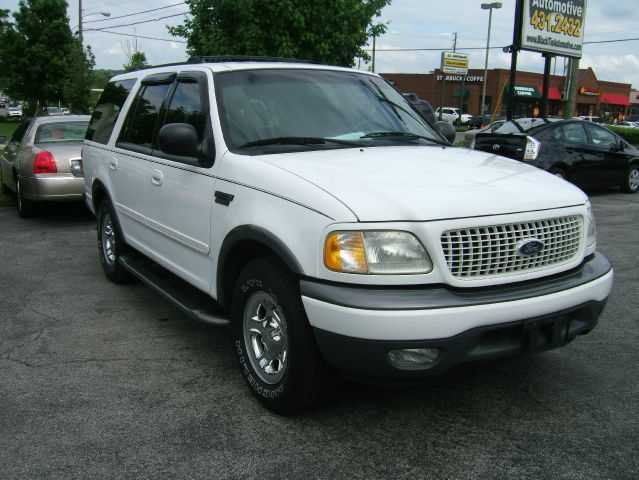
pixel 447 130
pixel 3 139
pixel 179 139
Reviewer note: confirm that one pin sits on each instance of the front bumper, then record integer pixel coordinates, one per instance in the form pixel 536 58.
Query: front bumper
pixel 356 327
pixel 54 187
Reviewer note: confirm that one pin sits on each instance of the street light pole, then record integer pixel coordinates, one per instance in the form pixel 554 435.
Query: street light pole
pixel 81 17
pixel 489 7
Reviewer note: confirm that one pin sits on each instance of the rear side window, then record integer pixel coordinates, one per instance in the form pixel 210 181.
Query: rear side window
pixel 573 133
pixel 107 110
pixel 142 118
pixel 18 135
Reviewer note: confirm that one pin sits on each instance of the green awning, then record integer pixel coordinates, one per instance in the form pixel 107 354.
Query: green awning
pixel 526 91
pixel 456 93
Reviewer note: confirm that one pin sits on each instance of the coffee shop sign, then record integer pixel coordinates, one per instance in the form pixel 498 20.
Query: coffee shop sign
pixel 458 78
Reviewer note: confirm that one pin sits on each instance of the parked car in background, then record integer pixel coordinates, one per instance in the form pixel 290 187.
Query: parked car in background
pixel 53 111
pixel 452 115
pixel 481 121
pixel 422 106
pixel 627 124
pixel 469 135
pixel 42 161
pixel 65 110
pixel 15 113
pixel 591 118
pixel 584 153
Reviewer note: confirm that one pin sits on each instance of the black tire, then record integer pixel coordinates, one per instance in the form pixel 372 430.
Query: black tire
pixel 268 315
pixel 559 172
pixel 631 183
pixel 26 208
pixel 111 245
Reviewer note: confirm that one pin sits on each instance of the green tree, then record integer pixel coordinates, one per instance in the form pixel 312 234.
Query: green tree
pixel 137 60
pixel 331 31
pixel 41 62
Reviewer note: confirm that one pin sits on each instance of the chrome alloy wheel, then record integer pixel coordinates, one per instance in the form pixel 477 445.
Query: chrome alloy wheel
pixel 633 179
pixel 107 238
pixel 264 329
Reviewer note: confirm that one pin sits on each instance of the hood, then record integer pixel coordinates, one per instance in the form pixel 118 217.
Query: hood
pixel 419 183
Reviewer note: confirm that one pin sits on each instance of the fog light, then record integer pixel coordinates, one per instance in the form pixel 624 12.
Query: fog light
pixel 413 358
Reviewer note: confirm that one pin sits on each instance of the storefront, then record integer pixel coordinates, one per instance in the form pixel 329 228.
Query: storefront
pixel 594 97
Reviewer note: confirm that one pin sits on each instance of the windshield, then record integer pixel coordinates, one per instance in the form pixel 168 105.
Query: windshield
pixel 61 132
pixel 311 109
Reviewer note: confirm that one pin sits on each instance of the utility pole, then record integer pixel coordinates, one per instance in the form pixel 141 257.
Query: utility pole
pixel 373 64
pixel 571 87
pixel 80 20
pixel 455 42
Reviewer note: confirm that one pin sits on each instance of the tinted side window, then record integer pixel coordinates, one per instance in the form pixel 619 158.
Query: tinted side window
pixel 107 110
pixel 186 107
pixel 600 136
pixel 142 118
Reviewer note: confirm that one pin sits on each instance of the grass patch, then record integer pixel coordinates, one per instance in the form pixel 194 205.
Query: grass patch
pixel 7 129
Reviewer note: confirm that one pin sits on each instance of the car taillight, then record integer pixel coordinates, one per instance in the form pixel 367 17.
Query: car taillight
pixel 44 163
pixel 532 149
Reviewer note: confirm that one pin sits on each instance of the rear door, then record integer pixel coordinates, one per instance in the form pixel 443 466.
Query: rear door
pixel 129 165
pixel 582 161
pixel 10 154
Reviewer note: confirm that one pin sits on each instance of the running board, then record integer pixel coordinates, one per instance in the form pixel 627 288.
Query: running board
pixel 194 303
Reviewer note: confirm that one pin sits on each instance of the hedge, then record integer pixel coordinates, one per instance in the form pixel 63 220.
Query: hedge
pixel 630 135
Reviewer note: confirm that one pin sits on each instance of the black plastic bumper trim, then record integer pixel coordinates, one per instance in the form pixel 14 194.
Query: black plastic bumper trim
pixel 367 360
pixel 429 297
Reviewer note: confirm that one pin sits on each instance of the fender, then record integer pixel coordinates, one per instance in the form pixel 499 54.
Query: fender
pixel 257 234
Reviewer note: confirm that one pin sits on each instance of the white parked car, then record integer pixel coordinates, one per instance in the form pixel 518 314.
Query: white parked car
pixel 316 213
pixel 452 115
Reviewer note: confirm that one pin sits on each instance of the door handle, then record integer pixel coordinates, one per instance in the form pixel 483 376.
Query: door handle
pixel 113 163
pixel 157 177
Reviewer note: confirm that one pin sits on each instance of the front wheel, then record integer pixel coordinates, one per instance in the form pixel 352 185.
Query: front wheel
pixel 274 343
pixel 631 184
pixel 111 244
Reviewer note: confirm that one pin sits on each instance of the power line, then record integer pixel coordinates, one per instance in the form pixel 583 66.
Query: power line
pixel 613 41
pixel 132 14
pixel 138 23
pixel 138 36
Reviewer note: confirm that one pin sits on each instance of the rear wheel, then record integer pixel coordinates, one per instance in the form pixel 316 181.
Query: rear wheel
pixel 631 184
pixel 111 244
pixel 559 172
pixel 275 346
pixel 26 208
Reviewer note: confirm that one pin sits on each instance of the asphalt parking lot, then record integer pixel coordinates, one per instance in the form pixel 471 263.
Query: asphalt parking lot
pixel 105 381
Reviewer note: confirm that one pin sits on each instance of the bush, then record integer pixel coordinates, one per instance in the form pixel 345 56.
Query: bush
pixel 630 135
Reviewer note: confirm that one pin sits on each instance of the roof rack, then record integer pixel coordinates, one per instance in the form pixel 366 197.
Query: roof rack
pixel 243 58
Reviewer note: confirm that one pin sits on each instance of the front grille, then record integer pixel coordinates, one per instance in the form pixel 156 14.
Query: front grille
pixel 491 251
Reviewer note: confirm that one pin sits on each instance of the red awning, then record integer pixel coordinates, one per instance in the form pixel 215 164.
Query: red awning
pixel 553 93
pixel 614 99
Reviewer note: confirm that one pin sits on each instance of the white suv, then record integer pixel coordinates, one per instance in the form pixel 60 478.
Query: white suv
pixel 312 209
pixel 451 115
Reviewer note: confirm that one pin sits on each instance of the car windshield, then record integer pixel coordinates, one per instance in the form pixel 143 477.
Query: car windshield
pixel 292 109
pixel 61 132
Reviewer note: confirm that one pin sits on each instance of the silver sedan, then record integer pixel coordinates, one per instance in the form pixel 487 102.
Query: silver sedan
pixel 42 161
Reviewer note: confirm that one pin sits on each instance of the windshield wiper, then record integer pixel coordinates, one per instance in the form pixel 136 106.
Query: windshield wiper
pixel 407 135
pixel 296 141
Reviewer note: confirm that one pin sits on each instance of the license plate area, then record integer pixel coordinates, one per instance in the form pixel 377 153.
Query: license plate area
pixel 545 333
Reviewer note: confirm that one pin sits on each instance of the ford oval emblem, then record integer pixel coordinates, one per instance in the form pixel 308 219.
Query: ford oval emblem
pixel 530 247
pixel 496 147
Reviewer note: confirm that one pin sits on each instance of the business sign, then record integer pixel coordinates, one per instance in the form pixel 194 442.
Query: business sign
pixel 458 78
pixel 553 26
pixel 455 63
pixel 590 92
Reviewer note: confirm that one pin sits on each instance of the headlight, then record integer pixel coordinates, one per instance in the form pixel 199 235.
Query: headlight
pixel 591 229
pixel 376 252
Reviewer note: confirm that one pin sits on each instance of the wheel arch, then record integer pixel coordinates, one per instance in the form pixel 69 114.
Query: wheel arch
pixel 243 244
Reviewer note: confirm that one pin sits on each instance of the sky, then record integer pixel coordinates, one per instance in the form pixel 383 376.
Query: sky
pixel 412 24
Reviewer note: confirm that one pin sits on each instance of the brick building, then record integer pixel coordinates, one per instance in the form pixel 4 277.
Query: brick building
pixel 594 97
